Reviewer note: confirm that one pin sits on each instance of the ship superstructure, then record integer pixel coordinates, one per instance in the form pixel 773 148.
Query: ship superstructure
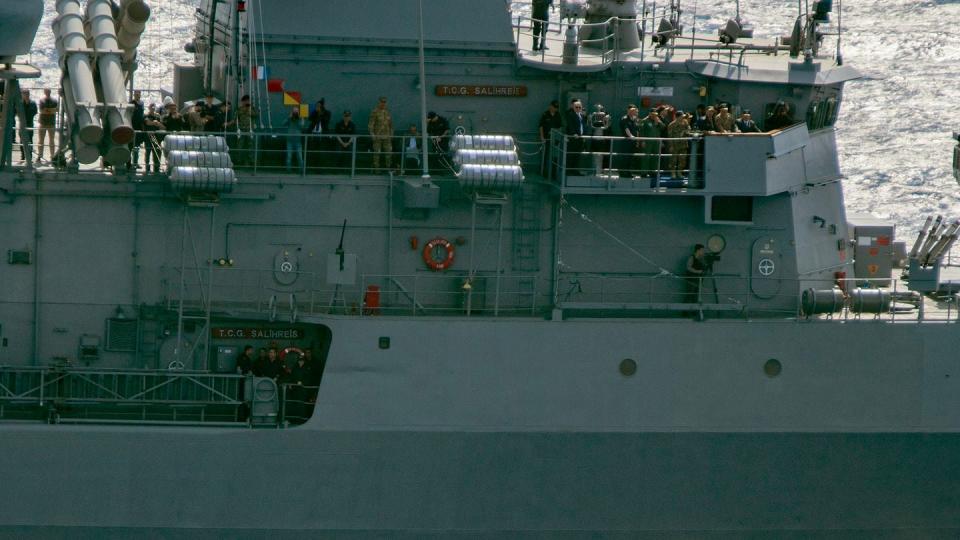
pixel 510 334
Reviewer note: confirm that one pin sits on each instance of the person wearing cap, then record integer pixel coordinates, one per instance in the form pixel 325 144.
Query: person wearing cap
pixel 195 119
pixel 380 126
pixel 650 131
pixel 217 118
pixel 345 130
pixel 151 125
pixel 724 122
pixel 678 131
pixel 245 121
pixel 48 122
pixel 208 106
pixel 171 118
pixel 549 121
pixel 439 131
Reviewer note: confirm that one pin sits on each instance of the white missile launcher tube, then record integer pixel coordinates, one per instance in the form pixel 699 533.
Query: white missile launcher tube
pixel 75 59
pixel 133 19
pixel 102 29
pixel 938 248
pixel 923 236
pixel 83 152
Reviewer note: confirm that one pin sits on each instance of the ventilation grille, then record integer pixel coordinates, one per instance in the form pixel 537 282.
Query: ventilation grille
pixel 122 335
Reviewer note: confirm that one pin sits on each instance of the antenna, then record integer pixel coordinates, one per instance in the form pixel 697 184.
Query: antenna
pixel 839 31
pixel 339 251
pixel 738 10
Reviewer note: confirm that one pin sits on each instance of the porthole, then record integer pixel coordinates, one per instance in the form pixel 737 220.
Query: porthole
pixel 772 368
pixel 628 367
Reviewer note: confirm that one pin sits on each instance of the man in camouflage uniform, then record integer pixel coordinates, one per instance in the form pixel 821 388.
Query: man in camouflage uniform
pixel 679 149
pixel 725 122
pixel 650 128
pixel 246 116
pixel 380 126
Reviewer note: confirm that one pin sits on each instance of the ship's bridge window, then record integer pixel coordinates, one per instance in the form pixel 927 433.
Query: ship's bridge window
pixel 822 113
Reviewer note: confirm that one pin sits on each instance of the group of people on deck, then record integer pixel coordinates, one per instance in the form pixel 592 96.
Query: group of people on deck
pixel 652 144
pixel 380 127
pixel 293 371
pixel 333 146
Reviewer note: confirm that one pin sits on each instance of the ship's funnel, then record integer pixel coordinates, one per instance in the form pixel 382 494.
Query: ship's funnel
pixel 102 30
pixel 130 25
pixel 80 94
pixel 20 21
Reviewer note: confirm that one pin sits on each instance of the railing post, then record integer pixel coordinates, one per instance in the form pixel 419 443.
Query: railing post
pixel 562 165
pixel 610 164
pixel 304 152
pixel 616 40
pixel 416 283
pixel 283 406
pixel 256 151
pixel 353 158
pixel 694 166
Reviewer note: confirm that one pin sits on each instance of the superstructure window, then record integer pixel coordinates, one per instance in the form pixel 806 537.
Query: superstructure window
pixel 822 113
pixel 731 208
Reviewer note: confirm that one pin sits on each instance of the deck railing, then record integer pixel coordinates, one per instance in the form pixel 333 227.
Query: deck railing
pixel 428 293
pixel 70 394
pixel 660 294
pixel 272 152
pixel 67 394
pixel 613 163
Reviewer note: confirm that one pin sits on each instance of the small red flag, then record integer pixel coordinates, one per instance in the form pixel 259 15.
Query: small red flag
pixel 274 85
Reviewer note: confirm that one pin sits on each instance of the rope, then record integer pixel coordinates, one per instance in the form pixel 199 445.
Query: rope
pixel 564 203
pixel 265 65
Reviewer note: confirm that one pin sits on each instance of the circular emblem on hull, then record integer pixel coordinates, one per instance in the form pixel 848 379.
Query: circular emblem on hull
pixel 766 267
pixel 286 266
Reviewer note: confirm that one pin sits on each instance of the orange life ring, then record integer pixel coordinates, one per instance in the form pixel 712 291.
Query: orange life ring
pixel 433 263
pixel 288 350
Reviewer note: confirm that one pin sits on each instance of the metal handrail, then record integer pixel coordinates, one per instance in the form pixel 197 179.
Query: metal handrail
pixel 608 54
pixel 297 403
pixel 614 160
pixel 444 294
pixel 123 395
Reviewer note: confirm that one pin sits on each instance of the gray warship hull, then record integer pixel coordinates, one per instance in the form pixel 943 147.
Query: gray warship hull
pixel 852 447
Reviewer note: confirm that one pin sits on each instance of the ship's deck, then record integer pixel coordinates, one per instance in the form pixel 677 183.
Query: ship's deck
pixel 597 46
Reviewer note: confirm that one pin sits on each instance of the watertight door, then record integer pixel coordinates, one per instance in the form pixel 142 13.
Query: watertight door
pixel 765 268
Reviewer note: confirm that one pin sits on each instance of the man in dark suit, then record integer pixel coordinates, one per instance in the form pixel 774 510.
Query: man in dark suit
pixel 576 127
